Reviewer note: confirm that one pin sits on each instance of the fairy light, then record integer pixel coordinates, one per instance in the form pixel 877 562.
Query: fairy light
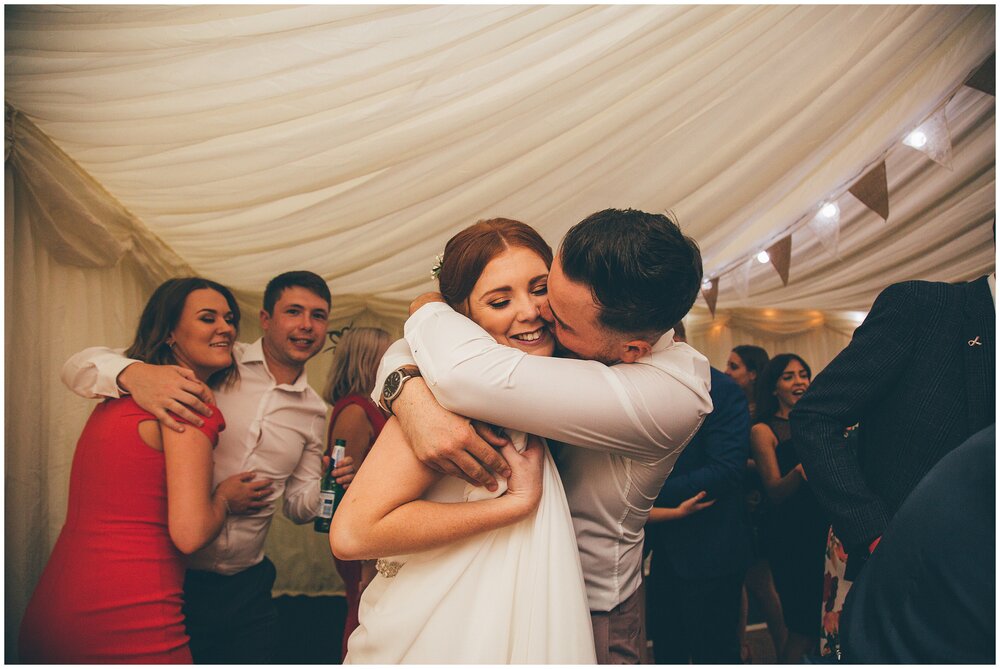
pixel 917 139
pixel 830 211
pixel 763 257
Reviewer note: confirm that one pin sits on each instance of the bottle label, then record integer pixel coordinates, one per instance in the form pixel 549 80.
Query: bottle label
pixel 326 502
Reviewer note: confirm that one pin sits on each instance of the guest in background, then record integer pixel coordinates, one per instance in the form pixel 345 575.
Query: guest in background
pixel 700 538
pixel 796 527
pixel 920 377
pixel 835 590
pixel 141 496
pixel 358 421
pixel 836 586
pixel 275 428
pixel 744 365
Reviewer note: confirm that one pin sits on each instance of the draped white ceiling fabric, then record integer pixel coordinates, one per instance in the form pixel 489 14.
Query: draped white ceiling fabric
pixel 356 140
pixel 238 142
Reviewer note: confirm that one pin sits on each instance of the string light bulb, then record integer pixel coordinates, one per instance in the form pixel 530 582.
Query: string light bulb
pixel 763 258
pixel 829 211
pixel 706 284
pixel 917 139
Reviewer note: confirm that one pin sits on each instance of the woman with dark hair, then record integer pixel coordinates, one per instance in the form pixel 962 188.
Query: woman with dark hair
pixel 478 577
pixel 140 498
pixel 358 421
pixel 745 363
pixel 796 527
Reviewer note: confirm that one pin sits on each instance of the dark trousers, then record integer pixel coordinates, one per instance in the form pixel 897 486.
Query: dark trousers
pixel 231 619
pixel 692 620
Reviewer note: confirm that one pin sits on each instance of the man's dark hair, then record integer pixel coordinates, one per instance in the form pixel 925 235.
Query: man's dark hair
pixel 299 278
pixel 643 272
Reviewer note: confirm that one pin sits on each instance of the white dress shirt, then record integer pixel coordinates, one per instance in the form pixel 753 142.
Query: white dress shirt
pixel 622 426
pixel 271 428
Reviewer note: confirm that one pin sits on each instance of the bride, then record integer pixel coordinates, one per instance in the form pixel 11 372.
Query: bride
pixel 475 577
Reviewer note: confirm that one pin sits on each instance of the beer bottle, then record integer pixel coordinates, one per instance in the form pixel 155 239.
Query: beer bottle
pixel 330 492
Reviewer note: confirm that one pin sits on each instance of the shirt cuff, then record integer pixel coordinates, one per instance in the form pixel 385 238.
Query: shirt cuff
pixel 107 379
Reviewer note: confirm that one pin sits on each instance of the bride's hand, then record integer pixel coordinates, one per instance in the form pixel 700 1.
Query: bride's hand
pixel 524 486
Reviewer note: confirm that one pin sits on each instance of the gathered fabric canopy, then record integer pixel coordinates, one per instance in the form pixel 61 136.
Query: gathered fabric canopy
pixel 238 142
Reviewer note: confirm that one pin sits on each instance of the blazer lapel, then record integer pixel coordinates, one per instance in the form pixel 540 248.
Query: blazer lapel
pixel 979 345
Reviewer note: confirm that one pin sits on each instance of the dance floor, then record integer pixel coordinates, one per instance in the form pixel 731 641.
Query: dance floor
pixel 310 631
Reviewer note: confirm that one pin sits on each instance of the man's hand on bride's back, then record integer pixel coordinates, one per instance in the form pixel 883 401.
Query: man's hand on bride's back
pixel 447 442
pixel 525 482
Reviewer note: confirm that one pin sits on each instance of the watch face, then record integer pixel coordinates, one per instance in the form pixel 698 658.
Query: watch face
pixel 391 385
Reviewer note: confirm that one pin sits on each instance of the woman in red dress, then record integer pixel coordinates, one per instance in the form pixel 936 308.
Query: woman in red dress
pixel 140 497
pixel 358 421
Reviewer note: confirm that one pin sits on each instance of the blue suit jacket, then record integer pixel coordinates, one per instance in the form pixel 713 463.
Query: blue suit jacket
pixel 920 377
pixel 715 541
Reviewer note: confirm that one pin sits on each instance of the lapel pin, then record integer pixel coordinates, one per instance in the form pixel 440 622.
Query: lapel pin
pixel 975 342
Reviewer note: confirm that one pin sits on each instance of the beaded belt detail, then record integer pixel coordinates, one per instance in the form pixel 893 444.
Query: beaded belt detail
pixel 387 568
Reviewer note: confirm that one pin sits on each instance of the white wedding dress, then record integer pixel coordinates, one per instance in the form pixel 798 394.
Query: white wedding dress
pixel 510 596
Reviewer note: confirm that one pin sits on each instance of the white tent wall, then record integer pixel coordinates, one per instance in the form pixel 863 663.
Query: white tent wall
pixel 237 142
pixel 52 309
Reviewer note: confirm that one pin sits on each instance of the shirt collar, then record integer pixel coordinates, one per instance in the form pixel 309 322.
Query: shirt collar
pixel 254 353
pixel 664 342
pixel 992 280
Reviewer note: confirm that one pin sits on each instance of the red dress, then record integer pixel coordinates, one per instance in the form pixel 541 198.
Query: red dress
pixel 112 589
pixel 350 570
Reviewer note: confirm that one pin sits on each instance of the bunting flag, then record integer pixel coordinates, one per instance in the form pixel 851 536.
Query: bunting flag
pixel 781 257
pixel 873 191
pixel 933 138
pixel 985 78
pixel 711 294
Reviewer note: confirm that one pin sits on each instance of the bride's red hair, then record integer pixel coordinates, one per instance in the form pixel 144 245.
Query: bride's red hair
pixel 468 252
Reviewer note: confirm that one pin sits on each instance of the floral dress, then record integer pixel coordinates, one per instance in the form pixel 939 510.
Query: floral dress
pixel 835 590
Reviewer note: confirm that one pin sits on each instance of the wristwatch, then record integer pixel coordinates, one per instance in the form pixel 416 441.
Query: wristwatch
pixel 393 385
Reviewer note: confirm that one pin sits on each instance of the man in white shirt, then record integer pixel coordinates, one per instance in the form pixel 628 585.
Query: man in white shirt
pixel 621 279
pixel 274 431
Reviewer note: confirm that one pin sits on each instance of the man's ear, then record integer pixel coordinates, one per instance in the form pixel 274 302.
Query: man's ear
pixel 265 319
pixel 635 349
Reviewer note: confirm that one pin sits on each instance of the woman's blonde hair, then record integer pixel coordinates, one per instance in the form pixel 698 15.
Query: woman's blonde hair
pixel 355 362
